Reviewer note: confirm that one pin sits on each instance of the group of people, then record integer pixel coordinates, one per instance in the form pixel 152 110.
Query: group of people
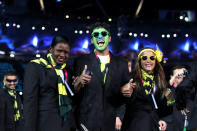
pixel 96 94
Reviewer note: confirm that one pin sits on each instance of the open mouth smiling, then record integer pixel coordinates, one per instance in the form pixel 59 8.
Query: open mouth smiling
pixel 100 43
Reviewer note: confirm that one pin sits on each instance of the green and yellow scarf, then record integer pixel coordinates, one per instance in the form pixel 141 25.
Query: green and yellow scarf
pixel 64 102
pixel 12 93
pixel 147 80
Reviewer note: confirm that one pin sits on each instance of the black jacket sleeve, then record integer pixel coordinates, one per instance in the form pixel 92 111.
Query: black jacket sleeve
pixel 2 113
pixel 185 91
pixel 31 88
pixel 121 111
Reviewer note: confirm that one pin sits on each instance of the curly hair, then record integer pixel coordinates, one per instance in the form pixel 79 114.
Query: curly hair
pixel 99 25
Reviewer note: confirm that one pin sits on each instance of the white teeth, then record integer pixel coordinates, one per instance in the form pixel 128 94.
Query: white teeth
pixel 148 65
pixel 100 44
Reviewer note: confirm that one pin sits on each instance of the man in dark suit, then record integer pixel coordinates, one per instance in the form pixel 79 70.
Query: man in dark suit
pixel 10 104
pixel 102 81
pixel 186 96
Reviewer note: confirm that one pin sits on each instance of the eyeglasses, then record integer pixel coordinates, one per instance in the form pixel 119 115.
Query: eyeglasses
pixel 152 58
pixel 14 80
pixel 96 34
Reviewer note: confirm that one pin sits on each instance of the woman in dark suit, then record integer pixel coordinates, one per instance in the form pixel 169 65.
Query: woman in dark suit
pixel 143 109
pixel 47 105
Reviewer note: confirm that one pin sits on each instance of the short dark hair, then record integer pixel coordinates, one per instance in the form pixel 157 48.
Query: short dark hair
pixel 59 39
pixel 179 66
pixel 99 25
pixel 11 73
pixel 127 58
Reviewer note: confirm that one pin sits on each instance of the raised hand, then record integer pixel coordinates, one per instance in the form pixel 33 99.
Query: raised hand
pixel 127 89
pixel 177 78
pixel 84 78
pixel 81 80
pixel 162 125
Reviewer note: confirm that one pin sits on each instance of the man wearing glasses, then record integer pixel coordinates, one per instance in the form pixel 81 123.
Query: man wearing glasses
pixel 102 81
pixel 10 104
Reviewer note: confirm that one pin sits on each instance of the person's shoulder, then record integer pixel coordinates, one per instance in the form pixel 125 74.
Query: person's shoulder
pixel 83 57
pixel 1 88
pixel 120 59
pixel 3 96
pixel 33 66
pixel 2 92
pixel 34 62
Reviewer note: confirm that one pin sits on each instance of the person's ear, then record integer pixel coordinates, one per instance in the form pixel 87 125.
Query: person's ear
pixel 109 38
pixel 91 41
pixel 4 80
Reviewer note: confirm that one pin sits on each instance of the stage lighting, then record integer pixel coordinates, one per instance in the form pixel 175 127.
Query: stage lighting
pixel 67 16
pixel 43 28
pixel 56 29
pixel 7 25
pixel 146 35
pixel 174 35
pixel 186 35
pixel 130 34
pixel 80 32
pixel 33 27
pixel 18 26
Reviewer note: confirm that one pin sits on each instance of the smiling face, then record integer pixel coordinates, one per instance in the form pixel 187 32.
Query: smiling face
pixel 100 39
pixel 148 61
pixel 10 81
pixel 60 52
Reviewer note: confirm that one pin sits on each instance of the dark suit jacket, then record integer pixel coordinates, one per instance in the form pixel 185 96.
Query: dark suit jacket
pixel 7 122
pixel 141 114
pixel 185 92
pixel 41 109
pixel 186 95
pixel 97 102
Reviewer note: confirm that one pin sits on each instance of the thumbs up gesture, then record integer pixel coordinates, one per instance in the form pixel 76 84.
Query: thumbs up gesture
pixel 81 80
pixel 84 77
pixel 127 89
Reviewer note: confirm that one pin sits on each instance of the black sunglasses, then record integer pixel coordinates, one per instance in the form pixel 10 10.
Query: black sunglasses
pixel 96 34
pixel 14 80
pixel 146 57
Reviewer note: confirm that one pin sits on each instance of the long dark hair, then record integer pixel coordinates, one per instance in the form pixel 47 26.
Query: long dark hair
pixel 159 76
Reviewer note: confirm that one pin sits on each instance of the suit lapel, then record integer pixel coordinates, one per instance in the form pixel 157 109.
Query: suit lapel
pixel 109 72
pixel 96 67
pixel 8 95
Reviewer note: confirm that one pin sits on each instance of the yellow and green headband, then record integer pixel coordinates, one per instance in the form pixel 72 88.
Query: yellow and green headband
pixel 159 54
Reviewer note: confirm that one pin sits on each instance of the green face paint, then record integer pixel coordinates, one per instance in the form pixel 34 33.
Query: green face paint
pixel 100 37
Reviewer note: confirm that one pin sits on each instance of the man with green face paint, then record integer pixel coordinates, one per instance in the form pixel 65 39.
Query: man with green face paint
pixel 100 39
pixel 102 83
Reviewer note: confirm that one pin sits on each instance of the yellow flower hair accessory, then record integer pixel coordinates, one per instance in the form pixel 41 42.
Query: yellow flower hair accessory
pixel 158 54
